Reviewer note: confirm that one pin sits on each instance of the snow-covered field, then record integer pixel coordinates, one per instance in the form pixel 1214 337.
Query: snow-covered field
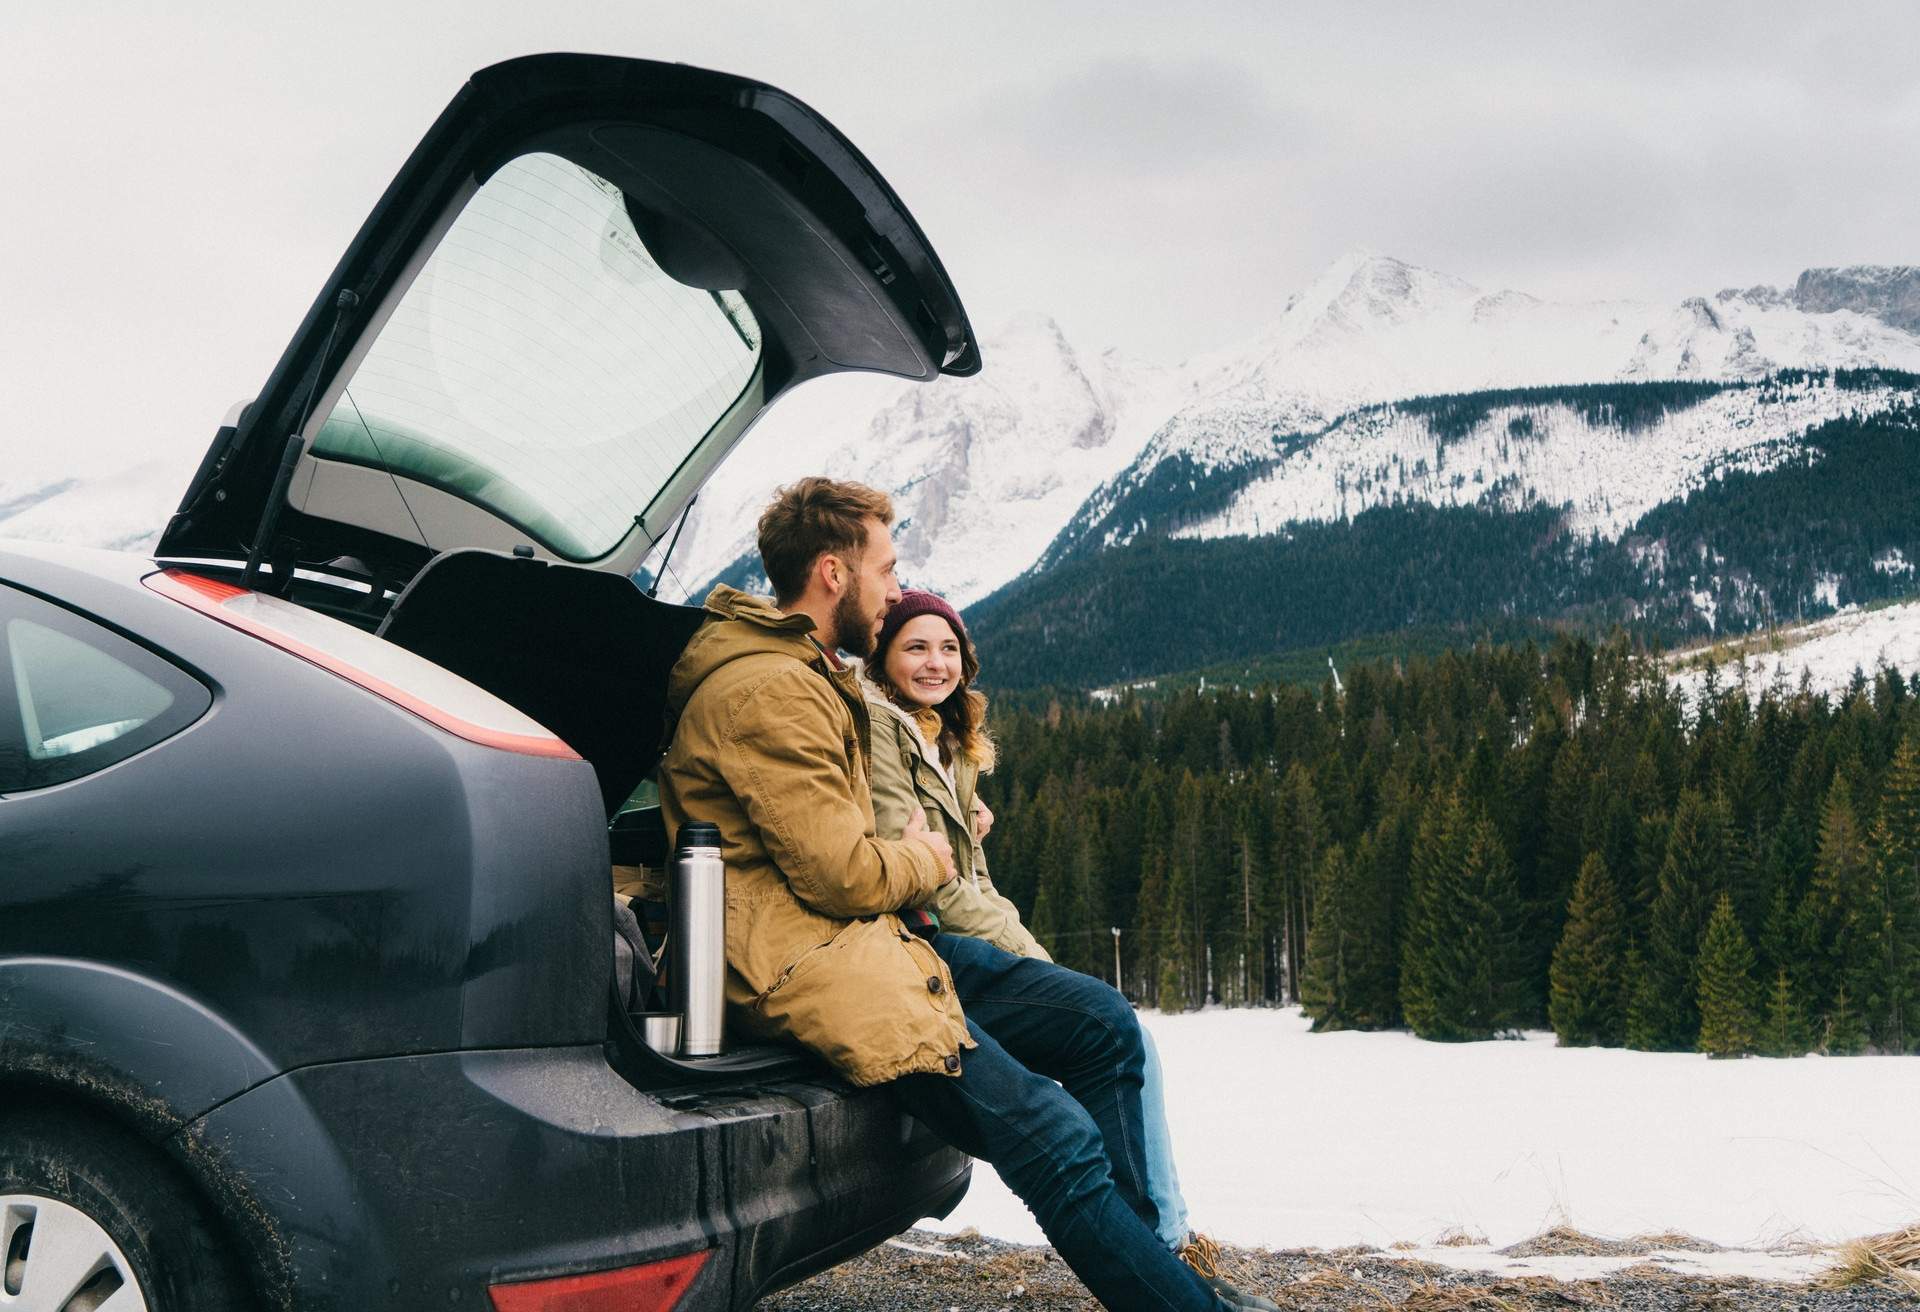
pixel 1288 1139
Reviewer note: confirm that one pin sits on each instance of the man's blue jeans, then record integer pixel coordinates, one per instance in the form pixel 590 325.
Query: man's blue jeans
pixel 1075 1151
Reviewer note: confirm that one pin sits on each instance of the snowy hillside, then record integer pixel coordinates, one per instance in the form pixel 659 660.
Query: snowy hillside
pixel 1826 653
pixel 987 469
pixel 1606 474
pixel 1373 329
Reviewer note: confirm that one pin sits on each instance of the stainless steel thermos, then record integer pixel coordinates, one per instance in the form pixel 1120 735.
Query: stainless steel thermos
pixel 697 943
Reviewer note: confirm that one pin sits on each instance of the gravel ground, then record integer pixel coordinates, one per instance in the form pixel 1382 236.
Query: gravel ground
pixel 966 1272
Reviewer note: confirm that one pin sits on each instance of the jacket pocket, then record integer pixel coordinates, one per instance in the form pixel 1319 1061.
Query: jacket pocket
pixel 798 968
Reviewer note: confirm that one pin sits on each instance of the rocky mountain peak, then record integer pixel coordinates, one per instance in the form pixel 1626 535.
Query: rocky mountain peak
pixel 1889 293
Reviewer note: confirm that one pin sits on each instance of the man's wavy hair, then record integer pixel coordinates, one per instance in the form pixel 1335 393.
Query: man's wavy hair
pixel 963 715
pixel 812 518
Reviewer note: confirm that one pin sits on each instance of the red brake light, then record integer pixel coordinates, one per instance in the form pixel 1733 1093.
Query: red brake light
pixel 654 1287
pixel 410 682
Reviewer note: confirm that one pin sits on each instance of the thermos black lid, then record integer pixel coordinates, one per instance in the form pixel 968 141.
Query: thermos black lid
pixel 699 833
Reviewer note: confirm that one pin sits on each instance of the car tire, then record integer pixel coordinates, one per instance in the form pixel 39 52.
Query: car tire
pixel 98 1196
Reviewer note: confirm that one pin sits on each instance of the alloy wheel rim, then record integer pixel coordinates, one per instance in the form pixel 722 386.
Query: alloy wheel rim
pixel 56 1258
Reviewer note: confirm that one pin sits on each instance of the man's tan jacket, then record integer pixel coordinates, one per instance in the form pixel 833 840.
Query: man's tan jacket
pixel 770 744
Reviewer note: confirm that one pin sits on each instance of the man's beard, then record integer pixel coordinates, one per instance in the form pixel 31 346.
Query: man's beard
pixel 853 627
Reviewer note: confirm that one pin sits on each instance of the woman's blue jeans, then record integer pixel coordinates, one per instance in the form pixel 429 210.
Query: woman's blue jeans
pixel 1163 1179
pixel 1073 1151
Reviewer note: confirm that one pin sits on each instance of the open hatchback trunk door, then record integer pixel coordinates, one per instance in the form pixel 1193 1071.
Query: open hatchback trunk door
pixel 588 280
pixel 584 285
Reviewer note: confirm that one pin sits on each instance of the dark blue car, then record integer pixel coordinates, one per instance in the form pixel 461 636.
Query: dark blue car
pixel 306 968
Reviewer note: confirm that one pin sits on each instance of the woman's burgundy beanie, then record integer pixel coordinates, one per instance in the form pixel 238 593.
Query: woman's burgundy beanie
pixel 912 604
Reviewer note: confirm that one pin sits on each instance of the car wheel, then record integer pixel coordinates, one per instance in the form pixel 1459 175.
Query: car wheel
pixel 94 1220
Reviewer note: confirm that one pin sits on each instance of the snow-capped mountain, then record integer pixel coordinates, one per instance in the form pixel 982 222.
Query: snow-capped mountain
pixel 1372 329
pixel 1528 447
pixel 987 471
pixel 983 470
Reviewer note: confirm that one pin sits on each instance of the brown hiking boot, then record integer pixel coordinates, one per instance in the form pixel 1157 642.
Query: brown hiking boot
pixel 1202 1253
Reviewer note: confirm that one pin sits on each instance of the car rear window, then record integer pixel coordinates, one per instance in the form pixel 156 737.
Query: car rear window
pixel 542 365
pixel 76 697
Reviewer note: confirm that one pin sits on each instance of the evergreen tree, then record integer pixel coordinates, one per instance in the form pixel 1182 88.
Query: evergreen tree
pixel 1830 925
pixel 1348 983
pixel 1050 870
pixel 1784 1031
pixel 1469 975
pixel 1381 876
pixel 1845 1035
pixel 1587 998
pixel 1044 924
pixel 1779 931
pixel 1171 995
pixel 1299 831
pixel 1178 933
pixel 1083 936
pixel 1250 846
pixel 1887 980
pixel 1652 833
pixel 1186 918
pixel 1746 879
pixel 1643 1009
pixel 1726 985
pixel 1675 921
pixel 1436 851
pixel 1326 992
pixel 1563 846
pixel 1150 906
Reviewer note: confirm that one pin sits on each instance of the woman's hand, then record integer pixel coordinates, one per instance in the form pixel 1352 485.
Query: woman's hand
pixel 982 818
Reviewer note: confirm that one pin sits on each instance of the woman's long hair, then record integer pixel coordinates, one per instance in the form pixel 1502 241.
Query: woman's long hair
pixel 963 715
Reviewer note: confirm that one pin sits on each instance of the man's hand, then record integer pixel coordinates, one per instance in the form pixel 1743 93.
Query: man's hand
pixel 982 819
pixel 918 832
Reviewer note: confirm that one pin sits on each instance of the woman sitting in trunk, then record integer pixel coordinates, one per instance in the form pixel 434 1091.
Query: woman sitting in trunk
pixel 930 747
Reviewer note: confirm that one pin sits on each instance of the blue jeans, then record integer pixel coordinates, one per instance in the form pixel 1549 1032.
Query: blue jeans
pixel 1074 1151
pixel 1163 1180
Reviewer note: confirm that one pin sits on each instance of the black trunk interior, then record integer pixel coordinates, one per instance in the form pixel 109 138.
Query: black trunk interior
pixel 584 652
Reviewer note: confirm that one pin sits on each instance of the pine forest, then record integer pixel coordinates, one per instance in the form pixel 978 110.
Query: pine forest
pixel 1488 840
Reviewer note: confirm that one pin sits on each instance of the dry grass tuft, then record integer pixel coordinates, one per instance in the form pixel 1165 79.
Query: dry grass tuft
pixel 1430 1297
pixel 1015 1265
pixel 1458 1237
pixel 1565 1241
pixel 1327 1282
pixel 1891 1259
pixel 1678 1242
pixel 1545 1291
pixel 1646 1271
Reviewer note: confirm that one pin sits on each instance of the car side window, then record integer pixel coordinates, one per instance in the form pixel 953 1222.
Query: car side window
pixel 76 697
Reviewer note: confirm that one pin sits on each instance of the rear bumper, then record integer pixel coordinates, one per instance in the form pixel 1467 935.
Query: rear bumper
pixel 420 1181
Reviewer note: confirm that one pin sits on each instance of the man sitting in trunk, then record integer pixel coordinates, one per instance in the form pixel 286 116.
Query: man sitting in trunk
pixel 770 744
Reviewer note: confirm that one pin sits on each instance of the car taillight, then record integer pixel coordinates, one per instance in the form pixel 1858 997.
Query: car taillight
pixel 654 1287
pixel 410 682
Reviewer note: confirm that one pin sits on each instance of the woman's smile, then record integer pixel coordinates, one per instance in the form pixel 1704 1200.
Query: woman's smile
pixel 924 660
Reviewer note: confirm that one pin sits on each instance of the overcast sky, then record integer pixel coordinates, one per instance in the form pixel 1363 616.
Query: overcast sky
pixel 177 179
